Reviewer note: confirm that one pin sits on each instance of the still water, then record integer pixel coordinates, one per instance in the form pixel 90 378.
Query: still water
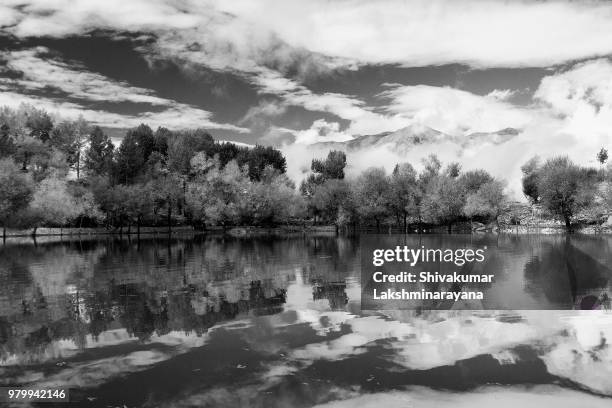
pixel 276 322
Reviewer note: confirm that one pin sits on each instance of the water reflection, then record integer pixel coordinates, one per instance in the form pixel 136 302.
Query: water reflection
pixel 218 321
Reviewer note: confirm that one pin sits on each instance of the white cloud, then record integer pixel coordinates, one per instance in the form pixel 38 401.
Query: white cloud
pixel 241 33
pixel 582 97
pixel 177 117
pixel 320 131
pixel 363 120
pixel 425 32
pixel 264 109
pixel 502 94
pixel 265 40
pixel 504 397
pixel 452 110
pixel 571 115
pixel 42 73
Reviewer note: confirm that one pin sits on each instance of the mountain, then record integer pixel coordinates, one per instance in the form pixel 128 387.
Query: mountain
pixel 404 139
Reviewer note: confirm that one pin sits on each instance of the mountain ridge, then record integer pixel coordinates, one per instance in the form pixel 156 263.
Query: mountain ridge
pixel 414 135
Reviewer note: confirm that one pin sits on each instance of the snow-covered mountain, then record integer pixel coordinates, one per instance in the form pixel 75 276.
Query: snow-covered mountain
pixel 404 139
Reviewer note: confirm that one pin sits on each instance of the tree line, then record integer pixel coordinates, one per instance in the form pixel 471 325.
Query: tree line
pixel 56 172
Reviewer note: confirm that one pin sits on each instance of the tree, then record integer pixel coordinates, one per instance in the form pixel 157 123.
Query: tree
pixel 214 196
pixel 52 204
pixel 259 157
pixel 129 159
pixel 403 192
pixel 28 150
pixel 273 200
pixel 162 136
pixel 38 122
pixel 443 201
pixel 139 202
pixel 183 146
pixel 564 188
pixel 99 155
pixel 7 143
pixel 81 133
pixel 453 169
pixel 372 195
pixel 472 180
pixel 487 202
pixel 167 194
pixel 85 203
pixel 110 199
pixel 530 179
pixel 602 156
pixel 333 201
pixel 69 138
pixel 145 140
pixel 330 168
pixel 16 190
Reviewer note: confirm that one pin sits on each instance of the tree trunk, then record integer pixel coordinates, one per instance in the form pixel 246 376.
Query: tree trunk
pixel 183 200
pixel 568 223
pixel 78 164
pixel 169 219
pixel 405 224
pixel 450 227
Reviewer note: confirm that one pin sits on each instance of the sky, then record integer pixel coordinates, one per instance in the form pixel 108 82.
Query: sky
pixel 293 73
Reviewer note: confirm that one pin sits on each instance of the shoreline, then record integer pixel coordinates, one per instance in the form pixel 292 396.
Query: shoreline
pixel 184 229
pixel 246 231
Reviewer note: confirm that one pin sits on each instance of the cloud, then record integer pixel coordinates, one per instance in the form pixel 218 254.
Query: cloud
pixel 452 110
pixel 320 131
pixel 504 397
pixel 177 117
pixel 275 45
pixel 502 94
pixel 278 136
pixel 241 33
pixel 581 97
pixel 260 114
pixel 424 32
pixel 363 119
pixel 571 115
pixel 60 18
pixel 39 72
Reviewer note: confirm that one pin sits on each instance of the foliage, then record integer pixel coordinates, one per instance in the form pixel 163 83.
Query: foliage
pixel 564 187
pixel 487 202
pixel 602 156
pixel 403 192
pixel 372 194
pixel 443 201
pixel 16 189
pixel 52 204
pixel 99 154
pixel 530 179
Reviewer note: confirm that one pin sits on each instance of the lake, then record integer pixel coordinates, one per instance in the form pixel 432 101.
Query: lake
pixel 218 321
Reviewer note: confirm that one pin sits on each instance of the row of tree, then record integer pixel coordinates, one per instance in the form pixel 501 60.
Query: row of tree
pixel 437 195
pixel 565 189
pixel 56 172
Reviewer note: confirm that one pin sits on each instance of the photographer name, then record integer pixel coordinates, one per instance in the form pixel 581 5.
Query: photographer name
pixel 430 277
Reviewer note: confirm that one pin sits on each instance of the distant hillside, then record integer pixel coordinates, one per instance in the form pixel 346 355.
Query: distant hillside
pixel 403 139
